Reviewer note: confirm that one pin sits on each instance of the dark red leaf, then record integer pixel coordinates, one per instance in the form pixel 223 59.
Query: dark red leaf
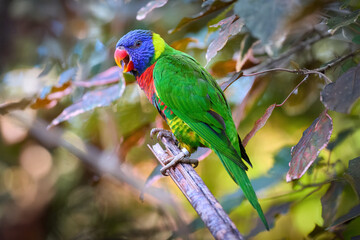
pixel 259 124
pixel 91 100
pixel 229 27
pixel 111 75
pixel 314 139
pixel 149 7
pixel 342 94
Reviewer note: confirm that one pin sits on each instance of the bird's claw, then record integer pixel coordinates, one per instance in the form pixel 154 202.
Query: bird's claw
pixel 159 132
pixel 182 157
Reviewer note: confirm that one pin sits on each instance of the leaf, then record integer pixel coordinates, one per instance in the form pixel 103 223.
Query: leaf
pixel 91 100
pixel 234 77
pixel 182 44
pixel 342 94
pixel 271 216
pixel 281 166
pixel 209 7
pixel 134 139
pixel 259 124
pixel 314 139
pixel 229 27
pixel 11 106
pixel 330 202
pixel 352 174
pixel 353 213
pixel 233 200
pixel 356 39
pixel 337 22
pixel 149 7
pixel 223 68
pixel 111 75
pixel 153 177
pixel 51 95
pixel 340 138
pixel 262 17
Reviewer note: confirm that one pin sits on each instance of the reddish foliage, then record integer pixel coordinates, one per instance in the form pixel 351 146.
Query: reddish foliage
pixel 91 100
pixel 342 94
pixel 111 75
pixel 314 139
pixel 259 124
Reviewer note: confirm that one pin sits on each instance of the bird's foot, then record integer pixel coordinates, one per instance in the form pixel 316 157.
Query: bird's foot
pixel 182 157
pixel 162 133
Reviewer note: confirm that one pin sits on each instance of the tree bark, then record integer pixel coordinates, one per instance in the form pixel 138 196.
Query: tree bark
pixel 195 190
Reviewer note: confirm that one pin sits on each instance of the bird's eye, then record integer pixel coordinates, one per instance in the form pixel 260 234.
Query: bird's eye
pixel 137 43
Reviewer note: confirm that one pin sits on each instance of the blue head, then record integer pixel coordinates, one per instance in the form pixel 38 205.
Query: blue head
pixel 135 51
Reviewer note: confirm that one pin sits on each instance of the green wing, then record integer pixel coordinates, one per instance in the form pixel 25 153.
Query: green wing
pixel 194 96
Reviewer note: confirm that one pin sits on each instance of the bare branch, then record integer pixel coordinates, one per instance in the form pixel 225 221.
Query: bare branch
pixel 269 63
pixel 195 190
pixel 103 163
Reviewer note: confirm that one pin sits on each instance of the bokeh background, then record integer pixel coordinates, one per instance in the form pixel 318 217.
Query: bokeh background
pixel 84 178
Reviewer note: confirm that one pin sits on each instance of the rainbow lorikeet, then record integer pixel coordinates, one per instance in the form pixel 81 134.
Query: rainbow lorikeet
pixel 189 100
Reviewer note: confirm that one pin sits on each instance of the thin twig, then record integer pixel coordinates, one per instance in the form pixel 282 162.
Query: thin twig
pixel 269 63
pixel 195 190
pixel 297 86
pixel 103 163
pixel 298 71
pixel 318 71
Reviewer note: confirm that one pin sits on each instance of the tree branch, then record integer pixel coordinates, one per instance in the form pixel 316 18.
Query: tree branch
pixel 195 190
pixel 320 71
pixel 269 63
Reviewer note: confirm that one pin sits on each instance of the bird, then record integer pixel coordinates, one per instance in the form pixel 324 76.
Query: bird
pixel 190 101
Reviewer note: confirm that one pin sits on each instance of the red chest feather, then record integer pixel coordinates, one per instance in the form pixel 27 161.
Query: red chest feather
pixel 146 82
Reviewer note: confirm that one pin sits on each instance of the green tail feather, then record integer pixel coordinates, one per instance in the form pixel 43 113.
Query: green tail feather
pixel 240 177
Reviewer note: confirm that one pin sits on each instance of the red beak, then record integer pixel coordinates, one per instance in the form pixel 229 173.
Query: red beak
pixel 122 55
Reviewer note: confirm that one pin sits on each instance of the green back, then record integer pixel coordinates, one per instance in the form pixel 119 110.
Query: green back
pixel 204 108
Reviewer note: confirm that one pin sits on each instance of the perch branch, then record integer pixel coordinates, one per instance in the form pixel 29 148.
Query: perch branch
pixel 195 190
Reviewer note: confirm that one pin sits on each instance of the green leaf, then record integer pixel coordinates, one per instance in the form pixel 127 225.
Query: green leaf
pixel 356 39
pixel 208 8
pixel 271 216
pixel 263 17
pixel 352 174
pixel 340 138
pixel 337 22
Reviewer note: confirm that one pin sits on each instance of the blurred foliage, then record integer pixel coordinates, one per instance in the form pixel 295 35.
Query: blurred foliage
pixel 56 65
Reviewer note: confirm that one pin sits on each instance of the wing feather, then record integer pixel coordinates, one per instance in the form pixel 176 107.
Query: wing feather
pixel 194 96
